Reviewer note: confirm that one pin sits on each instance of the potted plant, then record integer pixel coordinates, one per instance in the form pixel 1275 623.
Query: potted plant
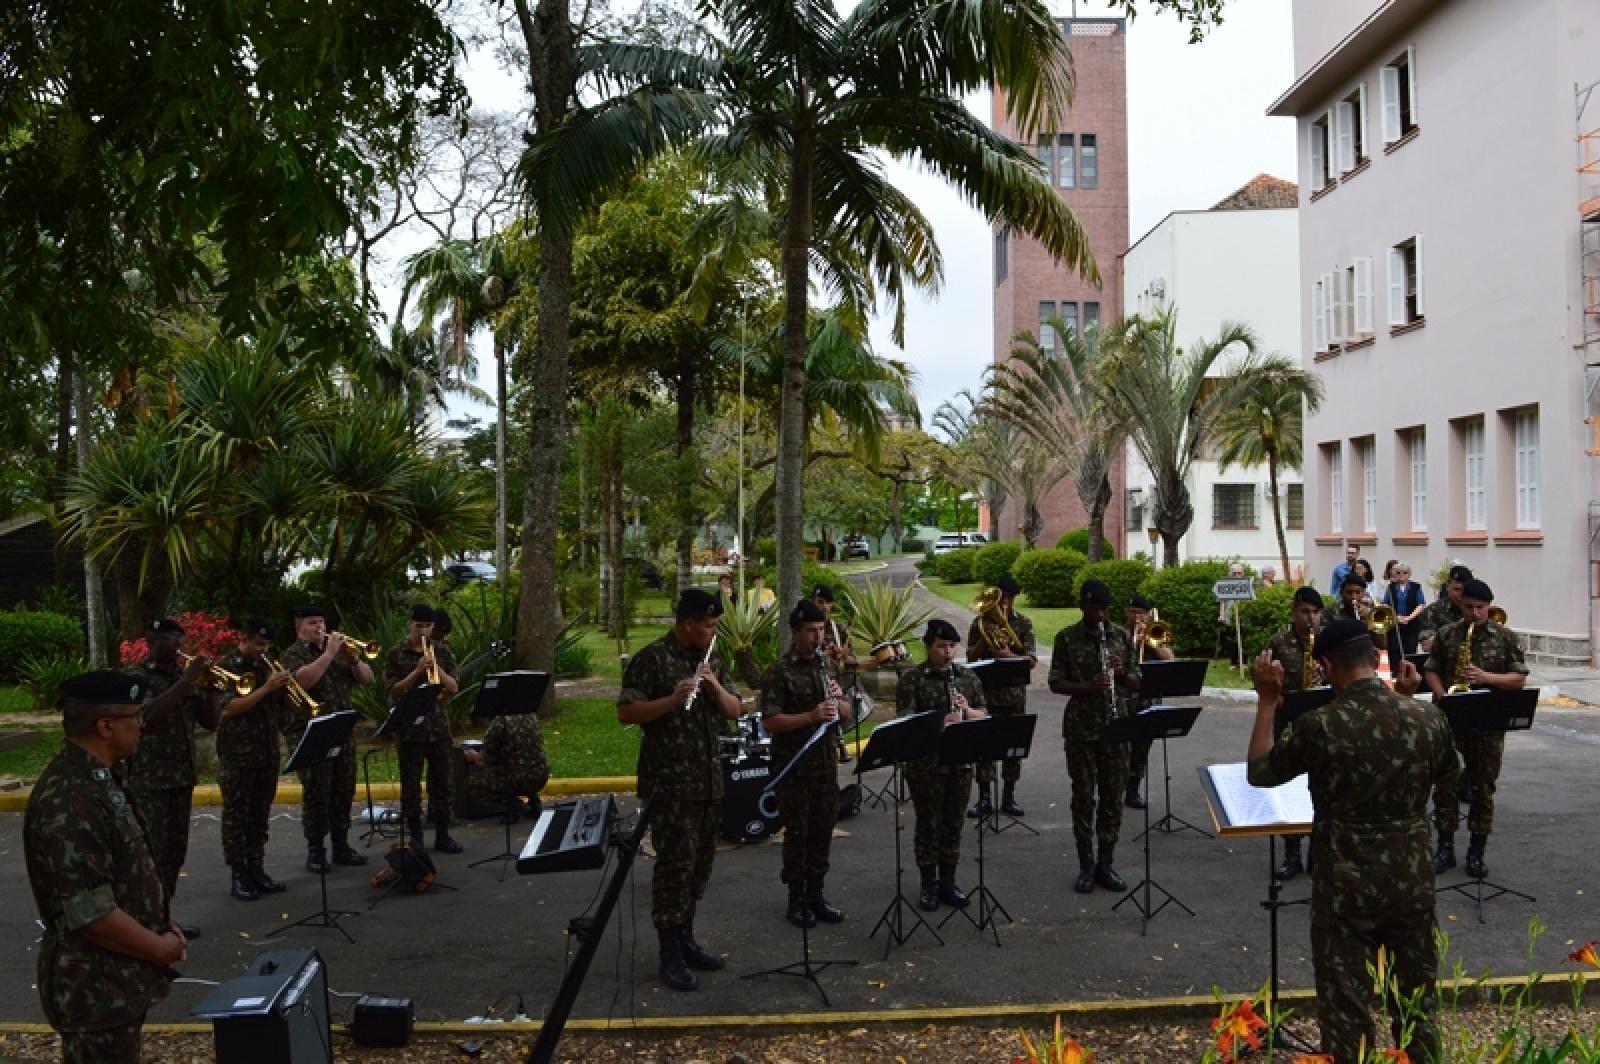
pixel 744 633
pixel 882 613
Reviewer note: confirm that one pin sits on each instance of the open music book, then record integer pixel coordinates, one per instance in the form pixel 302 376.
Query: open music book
pixel 1240 809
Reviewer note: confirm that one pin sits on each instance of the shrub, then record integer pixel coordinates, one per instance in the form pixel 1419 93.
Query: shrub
pixel 1047 576
pixel 1123 576
pixel 29 634
pixel 928 564
pixel 811 574
pixel 1183 595
pixel 1264 616
pixel 1078 539
pixel 572 657
pixel 44 675
pixel 994 561
pixel 956 566
pixel 881 612
pixel 911 545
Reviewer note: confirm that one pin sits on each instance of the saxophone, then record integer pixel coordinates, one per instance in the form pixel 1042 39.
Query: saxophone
pixel 1463 659
pixel 1310 672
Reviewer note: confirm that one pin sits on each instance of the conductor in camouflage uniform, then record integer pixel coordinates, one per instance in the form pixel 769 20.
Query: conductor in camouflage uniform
pixel 680 697
pixel 1495 657
pixel 511 763
pixel 329 670
pixel 1004 701
pixel 939 793
pixel 798 695
pixel 427 744
pixel 1289 648
pixel 247 761
pixel 1373 756
pixel 1140 611
pixel 161 771
pixel 1444 610
pixel 1094 664
pixel 107 945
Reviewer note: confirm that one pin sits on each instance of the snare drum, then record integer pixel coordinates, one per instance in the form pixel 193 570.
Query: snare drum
pixel 891 652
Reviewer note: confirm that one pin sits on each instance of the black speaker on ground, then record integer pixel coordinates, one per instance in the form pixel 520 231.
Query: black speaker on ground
pixel 276 1013
pixel 382 1022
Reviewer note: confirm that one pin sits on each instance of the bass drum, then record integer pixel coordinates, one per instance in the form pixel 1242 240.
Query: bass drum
pixel 743 820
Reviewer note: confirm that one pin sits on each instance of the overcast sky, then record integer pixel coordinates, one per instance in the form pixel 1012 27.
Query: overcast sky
pixel 1197 131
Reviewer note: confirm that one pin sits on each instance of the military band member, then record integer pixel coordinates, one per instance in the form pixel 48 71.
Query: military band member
pixel 939 793
pixel 108 946
pixel 680 706
pixel 329 669
pixel 835 644
pixel 511 763
pixel 247 761
pixel 1373 756
pixel 1140 611
pixel 1495 657
pixel 1352 598
pixel 1093 663
pixel 1006 701
pixel 1289 649
pixel 161 770
pixel 408 665
pixel 798 695
pixel 1444 610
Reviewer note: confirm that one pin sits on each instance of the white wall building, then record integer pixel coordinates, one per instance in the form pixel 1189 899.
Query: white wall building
pixel 1446 295
pixel 1237 262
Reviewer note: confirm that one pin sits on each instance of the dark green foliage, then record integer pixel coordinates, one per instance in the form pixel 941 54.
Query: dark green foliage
pixel 1122 575
pixel 812 574
pixel 1183 595
pixel 29 635
pixel 1078 540
pixel 956 566
pixel 911 545
pixel 43 677
pixel 1265 615
pixel 1047 576
pixel 994 561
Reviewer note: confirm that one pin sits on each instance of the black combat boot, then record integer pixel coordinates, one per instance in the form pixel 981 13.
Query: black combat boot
pixel 1291 866
pixel 1132 799
pixel 1104 874
pixel 1084 884
pixel 695 955
pixel 844 753
pixel 414 833
pixel 799 913
pixel 981 809
pixel 442 842
pixel 1476 844
pixel 243 888
pixel 1008 800
pixel 949 893
pixel 343 854
pixel 264 883
pixel 828 914
pixel 930 887
pixel 316 857
pixel 674 972
pixel 1444 858
pixel 190 932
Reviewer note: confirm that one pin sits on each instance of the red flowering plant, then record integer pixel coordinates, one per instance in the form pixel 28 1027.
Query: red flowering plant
pixel 1053 1050
pixel 1237 1027
pixel 1588 954
pixel 203 633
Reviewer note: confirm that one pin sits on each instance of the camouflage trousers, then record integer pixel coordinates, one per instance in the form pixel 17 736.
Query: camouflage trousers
pixel 114 1045
pixel 809 808
pixel 490 783
pixel 328 791
pixel 683 832
pixel 247 792
pixel 1138 760
pixel 165 813
pixel 1097 772
pixel 1481 756
pixel 1342 947
pixel 1011 767
pixel 435 753
pixel 940 797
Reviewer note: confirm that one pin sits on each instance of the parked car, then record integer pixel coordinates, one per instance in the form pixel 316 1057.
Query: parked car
pixel 856 547
pixel 467 572
pixel 649 572
pixel 949 541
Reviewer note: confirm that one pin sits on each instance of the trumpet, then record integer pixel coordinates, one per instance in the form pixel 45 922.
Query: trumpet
pixel 367 649
pixel 297 694
pixel 433 662
pixel 992 622
pixel 219 678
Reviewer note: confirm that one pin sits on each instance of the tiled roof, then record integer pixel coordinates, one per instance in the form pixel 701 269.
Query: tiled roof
pixel 1261 192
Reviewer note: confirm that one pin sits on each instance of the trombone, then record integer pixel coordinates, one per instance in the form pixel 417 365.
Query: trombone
pixel 1379 619
pixel 1153 634
pixel 219 678
pixel 297 694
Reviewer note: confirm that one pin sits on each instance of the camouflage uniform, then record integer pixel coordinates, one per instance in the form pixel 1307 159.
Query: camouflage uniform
pixel 1289 650
pixel 680 776
pixel 247 766
pixel 939 793
pixel 808 798
pixel 1094 769
pixel 1440 614
pixel 328 789
pixel 86 855
pixel 1373 757
pixel 513 760
pixel 1007 701
pixel 1336 610
pixel 1494 649
pixel 161 774
pixel 428 744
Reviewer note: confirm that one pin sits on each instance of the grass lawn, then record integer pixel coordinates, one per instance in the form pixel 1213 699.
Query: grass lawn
pixel 584 739
pixel 27 761
pixel 1222 673
pixel 15 700
pixel 603 662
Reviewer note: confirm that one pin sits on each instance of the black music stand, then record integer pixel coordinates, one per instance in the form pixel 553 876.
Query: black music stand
pixel 325 738
pixel 1297 704
pixel 892 790
pixel 995 674
pixel 1488 712
pixel 892 744
pixel 1156 722
pixel 375 825
pixel 1158 681
pixel 966 743
pixel 508 694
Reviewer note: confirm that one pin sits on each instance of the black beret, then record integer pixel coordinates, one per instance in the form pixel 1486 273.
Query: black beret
pixel 422 612
pixel 166 626
pixel 302 612
pixel 1139 602
pixel 255 626
pixel 1340 633
pixel 805 612
pixel 1477 589
pixel 823 592
pixel 697 604
pixel 1096 591
pixel 1309 595
pixel 1461 573
pixel 441 621
pixel 1352 577
pixel 938 629
pixel 1009 585
pixel 105 688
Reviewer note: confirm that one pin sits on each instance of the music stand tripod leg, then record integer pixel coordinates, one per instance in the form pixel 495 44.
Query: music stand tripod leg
pixel 1169 823
pixel 374 828
pixel 506 798
pixel 804 968
pixel 324 917
pixel 893 918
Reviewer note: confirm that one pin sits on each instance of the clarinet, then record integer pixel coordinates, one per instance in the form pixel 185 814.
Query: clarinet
pixel 822 675
pixel 950 686
pixel 1105 667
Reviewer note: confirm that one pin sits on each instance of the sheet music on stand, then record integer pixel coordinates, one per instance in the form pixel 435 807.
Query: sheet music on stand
pixel 1000 673
pixel 410 711
pixel 1237 808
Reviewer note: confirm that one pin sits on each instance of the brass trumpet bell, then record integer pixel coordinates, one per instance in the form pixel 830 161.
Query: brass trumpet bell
pixel 1158 634
pixel 221 679
pixel 1380 620
pixel 367 649
pixel 1497 615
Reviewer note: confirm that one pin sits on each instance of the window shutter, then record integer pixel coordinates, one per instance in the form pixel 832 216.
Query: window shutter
pixel 1347 137
pixel 1363 297
pixel 1339 299
pixel 1390 86
pixel 1417 243
pixel 1361 119
pixel 1317 145
pixel 1319 316
pixel 1397 287
pixel 1411 82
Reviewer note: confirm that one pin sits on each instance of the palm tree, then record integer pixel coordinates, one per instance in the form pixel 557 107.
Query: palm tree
pixel 1001 461
pixel 806 98
pixel 1161 391
pixel 1266 427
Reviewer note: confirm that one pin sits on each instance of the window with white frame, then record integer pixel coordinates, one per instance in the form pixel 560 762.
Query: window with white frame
pixel 1399 91
pixel 1526 443
pixel 1335 489
pixel 1338 308
pixel 1002 255
pixel 1046 154
pixel 1476 493
pixel 1417 453
pixel 1089 161
pixel 1069 161
pixel 1405 282
pixel 1091 326
pixel 1069 318
pixel 1351 118
pixel 1360 279
pixel 1319 314
pixel 1233 506
pixel 1368 451
pixel 1047 331
pixel 1295 518
pixel 1320 146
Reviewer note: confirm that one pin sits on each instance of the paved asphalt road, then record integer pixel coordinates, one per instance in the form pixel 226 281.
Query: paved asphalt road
pixel 458 953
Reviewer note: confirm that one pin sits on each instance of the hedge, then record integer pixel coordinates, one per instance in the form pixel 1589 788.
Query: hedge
pixel 1047 576
pixel 1078 539
pixel 1124 576
pixel 36 635
pixel 1264 616
pixel 995 561
pixel 811 574
pixel 956 566
pixel 1183 595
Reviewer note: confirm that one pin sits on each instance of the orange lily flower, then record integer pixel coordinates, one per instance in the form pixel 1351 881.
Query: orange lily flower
pixel 1240 1023
pixel 1589 955
pixel 1399 1056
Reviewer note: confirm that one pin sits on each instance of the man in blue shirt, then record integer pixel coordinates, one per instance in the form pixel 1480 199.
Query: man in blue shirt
pixel 1351 553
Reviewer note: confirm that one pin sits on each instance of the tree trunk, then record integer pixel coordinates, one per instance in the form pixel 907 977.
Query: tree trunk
pixel 501 547
pixel 896 524
pixel 1097 521
pixel 997 501
pixel 791 421
pixel 62 460
pixel 1277 514
pixel 93 585
pixel 685 471
pixel 616 611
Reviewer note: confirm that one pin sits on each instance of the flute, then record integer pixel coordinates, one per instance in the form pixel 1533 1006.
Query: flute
pixel 695 691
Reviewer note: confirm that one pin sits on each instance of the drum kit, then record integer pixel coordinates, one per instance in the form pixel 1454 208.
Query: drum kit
pixel 890 652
